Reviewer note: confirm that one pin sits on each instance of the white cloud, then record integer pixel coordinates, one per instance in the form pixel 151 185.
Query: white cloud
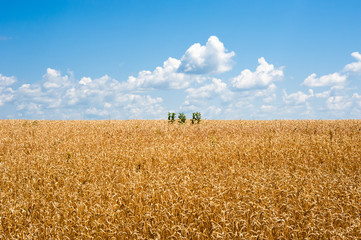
pixel 107 96
pixel 6 81
pixel 48 95
pixel 324 94
pixel 162 77
pixel 264 75
pixel 338 103
pixel 100 87
pixel 189 107
pixel 138 106
pixel 53 79
pixel 59 97
pixel 179 74
pixel 30 109
pixel 268 94
pixel 333 91
pixel 31 96
pixel 297 97
pixel 213 112
pixel 357 99
pixel 267 108
pixel 6 92
pixel 85 80
pixel 4 98
pixel 209 59
pixel 71 96
pixel 326 80
pixel 30 90
pixel 355 66
pixel 95 111
pixel 217 87
pixel 199 99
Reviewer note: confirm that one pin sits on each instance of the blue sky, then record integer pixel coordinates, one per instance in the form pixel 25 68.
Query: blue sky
pixel 140 59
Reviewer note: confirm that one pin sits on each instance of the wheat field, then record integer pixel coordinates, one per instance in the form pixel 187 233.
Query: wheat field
pixel 148 179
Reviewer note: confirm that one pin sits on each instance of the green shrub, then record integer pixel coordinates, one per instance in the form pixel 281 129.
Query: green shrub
pixel 182 118
pixel 196 117
pixel 171 117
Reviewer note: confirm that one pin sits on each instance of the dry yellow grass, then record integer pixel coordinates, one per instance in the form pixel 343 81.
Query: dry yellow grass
pixel 150 179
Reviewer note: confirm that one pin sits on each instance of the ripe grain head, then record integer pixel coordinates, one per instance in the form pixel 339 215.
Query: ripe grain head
pixel 150 179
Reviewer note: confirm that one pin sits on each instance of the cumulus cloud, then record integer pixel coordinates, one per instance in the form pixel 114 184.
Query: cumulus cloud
pixel 107 96
pixel 6 92
pixel 30 109
pixel 162 77
pixel 355 66
pixel 264 75
pixel 297 97
pixel 96 112
pixel 213 111
pixel 47 94
pixel 128 105
pixel 338 103
pixel 199 99
pixel 324 94
pixel 61 96
pixel 333 91
pixel 85 80
pixel 140 106
pixel 6 97
pixel 268 94
pixel 31 91
pixel 58 97
pixel 212 58
pixel 53 79
pixel 357 98
pixel 217 87
pixel 209 59
pixel 326 80
pixel 267 108
pixel 6 81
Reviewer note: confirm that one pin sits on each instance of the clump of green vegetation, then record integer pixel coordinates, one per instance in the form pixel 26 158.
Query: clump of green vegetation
pixel 171 117
pixel 182 118
pixel 68 156
pixel 196 117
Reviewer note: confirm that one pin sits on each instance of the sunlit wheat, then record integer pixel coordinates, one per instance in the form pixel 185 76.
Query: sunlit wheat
pixel 155 180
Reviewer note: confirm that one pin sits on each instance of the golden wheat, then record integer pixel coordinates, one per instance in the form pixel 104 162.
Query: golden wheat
pixel 154 180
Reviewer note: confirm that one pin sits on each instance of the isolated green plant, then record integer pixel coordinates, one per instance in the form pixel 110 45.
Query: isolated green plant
pixel 196 117
pixel 171 117
pixel 182 118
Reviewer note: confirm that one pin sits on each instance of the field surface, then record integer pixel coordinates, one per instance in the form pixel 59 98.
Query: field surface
pixel 153 180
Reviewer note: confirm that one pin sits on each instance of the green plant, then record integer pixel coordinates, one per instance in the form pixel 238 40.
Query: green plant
pixel 196 117
pixel 68 156
pixel 182 118
pixel 171 117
